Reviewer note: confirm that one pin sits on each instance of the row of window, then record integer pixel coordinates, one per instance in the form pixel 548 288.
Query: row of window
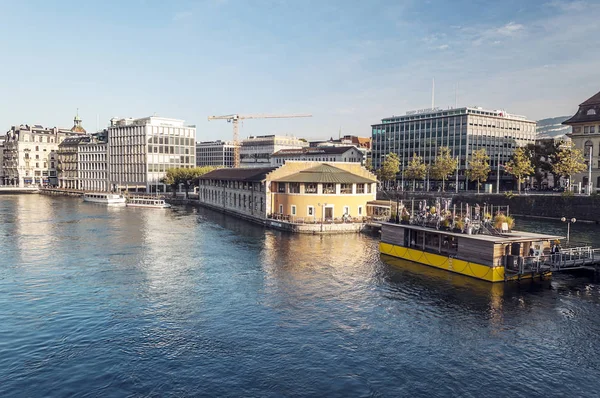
pixel 326 188
pixel 310 210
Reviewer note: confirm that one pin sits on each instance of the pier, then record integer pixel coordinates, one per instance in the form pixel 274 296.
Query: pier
pixel 18 190
pixel 569 259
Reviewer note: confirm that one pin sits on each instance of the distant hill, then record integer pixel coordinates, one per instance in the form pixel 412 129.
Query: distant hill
pixel 552 127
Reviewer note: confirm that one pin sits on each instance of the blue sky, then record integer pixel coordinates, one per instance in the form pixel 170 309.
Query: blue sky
pixel 349 63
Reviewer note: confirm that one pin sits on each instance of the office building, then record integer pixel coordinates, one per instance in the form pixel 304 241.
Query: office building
pixel 256 151
pixel 92 161
pixel 463 130
pixel 319 154
pixel 141 150
pixel 215 153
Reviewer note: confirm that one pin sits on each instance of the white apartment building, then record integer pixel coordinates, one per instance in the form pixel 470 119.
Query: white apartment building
pixel 141 150
pixel 256 151
pixel 215 153
pixel 92 163
pixel 26 153
pixel 319 154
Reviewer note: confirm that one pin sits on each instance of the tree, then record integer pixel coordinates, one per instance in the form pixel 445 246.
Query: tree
pixel 479 168
pixel 369 164
pixel 188 177
pixel 444 165
pixel 519 166
pixel 389 168
pixel 568 161
pixel 542 156
pixel 416 169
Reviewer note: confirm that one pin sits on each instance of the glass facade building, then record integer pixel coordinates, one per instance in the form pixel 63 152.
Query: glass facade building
pixel 463 130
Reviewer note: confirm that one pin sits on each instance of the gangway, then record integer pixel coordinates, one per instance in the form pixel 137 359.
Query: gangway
pixel 574 258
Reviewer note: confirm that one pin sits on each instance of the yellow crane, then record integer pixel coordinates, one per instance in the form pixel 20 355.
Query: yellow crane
pixel 235 118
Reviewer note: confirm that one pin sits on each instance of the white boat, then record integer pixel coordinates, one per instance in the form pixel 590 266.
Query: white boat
pixel 104 198
pixel 147 202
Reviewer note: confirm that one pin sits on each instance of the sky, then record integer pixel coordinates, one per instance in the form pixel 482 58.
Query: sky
pixel 347 63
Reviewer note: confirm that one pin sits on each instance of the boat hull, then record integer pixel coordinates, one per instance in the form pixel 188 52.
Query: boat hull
pixel 472 269
pixel 166 206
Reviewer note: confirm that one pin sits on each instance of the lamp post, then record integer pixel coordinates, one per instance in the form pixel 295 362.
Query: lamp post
pixel 572 220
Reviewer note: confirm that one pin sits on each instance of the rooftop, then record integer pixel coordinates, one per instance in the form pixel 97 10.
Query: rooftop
pixel 239 174
pixel 438 112
pixel 324 150
pixel 589 111
pixel 514 236
pixel 325 173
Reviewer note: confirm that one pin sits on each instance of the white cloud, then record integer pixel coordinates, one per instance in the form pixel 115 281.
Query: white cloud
pixel 510 29
pixel 568 6
pixel 181 15
pixel 443 47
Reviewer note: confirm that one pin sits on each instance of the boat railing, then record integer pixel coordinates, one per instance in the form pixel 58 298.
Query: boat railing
pixel 571 258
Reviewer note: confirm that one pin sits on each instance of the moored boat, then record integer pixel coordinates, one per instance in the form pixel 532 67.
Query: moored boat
pixel 468 244
pixel 104 198
pixel 149 202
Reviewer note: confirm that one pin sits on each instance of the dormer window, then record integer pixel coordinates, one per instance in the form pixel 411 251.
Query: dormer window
pixel 591 112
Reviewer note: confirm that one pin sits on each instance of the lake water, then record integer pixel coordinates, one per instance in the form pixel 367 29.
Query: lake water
pixel 112 302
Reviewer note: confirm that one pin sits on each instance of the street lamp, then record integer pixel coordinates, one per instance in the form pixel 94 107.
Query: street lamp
pixel 572 220
pixel 397 206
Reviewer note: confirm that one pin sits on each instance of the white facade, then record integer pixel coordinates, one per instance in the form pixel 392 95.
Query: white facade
pixel 141 150
pixel 1 160
pixel 256 151
pixel 329 154
pixel 215 153
pixel 92 161
pixel 26 154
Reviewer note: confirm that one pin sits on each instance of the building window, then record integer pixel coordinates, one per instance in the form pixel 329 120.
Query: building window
pixel 368 187
pixel 360 210
pixel 346 188
pixel 280 209
pixel 592 129
pixel 294 187
pixel 281 187
pixel 346 210
pixel 293 210
pixel 360 188
pixel 328 188
pixel 586 129
pixel 310 211
pixel 591 112
pixel 587 148
pixel 310 188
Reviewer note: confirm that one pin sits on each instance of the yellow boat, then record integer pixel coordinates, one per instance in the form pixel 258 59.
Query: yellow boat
pixel 493 258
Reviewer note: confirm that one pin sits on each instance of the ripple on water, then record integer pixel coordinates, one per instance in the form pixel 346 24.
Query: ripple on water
pixel 112 302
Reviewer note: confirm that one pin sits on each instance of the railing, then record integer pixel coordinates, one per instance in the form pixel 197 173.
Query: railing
pixel 571 258
pixel 315 220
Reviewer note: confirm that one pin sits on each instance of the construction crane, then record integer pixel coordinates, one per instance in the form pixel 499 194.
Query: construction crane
pixel 235 118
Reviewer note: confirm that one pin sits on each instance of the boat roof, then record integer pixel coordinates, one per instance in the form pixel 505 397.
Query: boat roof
pixel 506 237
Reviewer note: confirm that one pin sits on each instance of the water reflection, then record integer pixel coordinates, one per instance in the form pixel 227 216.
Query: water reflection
pixel 190 302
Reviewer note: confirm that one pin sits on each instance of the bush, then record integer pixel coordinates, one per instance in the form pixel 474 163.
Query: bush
pixel 499 220
pixel 567 194
pixel 509 194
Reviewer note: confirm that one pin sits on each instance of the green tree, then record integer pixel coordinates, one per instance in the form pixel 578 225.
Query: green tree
pixel 389 168
pixel 568 161
pixel 188 177
pixel 443 166
pixel 416 169
pixel 479 167
pixel 369 164
pixel 519 166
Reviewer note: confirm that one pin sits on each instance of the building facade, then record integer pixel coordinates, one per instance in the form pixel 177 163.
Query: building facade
pixel 297 192
pixel 215 153
pixel 463 130
pixel 2 160
pixel 92 163
pixel 67 155
pixel 585 135
pixel 319 154
pixel 26 154
pixel 141 150
pixel 256 151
